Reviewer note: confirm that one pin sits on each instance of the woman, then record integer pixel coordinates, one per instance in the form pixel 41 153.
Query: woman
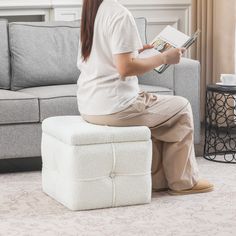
pixel 108 94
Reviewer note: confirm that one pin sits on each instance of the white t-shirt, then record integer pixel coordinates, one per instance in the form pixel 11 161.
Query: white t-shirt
pixel 100 88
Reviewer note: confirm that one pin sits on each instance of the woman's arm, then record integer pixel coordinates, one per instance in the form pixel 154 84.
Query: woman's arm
pixel 127 65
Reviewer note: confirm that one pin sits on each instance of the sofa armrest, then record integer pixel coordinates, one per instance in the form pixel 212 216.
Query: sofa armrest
pixel 187 84
pixel 165 79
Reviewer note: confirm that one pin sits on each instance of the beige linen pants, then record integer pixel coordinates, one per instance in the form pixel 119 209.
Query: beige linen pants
pixel 170 120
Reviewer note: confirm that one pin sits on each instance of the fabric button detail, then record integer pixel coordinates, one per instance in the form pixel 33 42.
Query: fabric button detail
pixel 112 175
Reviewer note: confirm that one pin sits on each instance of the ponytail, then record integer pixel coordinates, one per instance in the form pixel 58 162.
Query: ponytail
pixel 89 12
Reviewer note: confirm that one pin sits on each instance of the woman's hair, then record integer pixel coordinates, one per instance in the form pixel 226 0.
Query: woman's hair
pixel 89 12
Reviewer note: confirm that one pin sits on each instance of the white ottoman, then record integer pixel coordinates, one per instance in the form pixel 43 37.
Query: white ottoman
pixel 88 166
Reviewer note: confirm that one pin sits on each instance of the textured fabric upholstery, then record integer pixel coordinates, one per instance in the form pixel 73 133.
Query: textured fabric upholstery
pixel 18 107
pixel 43 53
pixel 119 174
pixel 187 84
pixel 75 131
pixel 20 140
pixel 59 100
pixel 165 79
pixel 156 89
pixel 55 100
pixel 141 25
pixel 4 56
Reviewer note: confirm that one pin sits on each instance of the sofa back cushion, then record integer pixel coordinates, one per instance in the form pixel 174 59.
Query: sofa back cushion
pixel 4 56
pixel 141 23
pixel 43 53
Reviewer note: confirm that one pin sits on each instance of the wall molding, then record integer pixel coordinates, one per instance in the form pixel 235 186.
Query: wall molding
pixel 9 4
pixel 159 13
pixel 24 4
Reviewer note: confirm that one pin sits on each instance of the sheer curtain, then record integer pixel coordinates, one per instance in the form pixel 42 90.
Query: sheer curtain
pixel 215 48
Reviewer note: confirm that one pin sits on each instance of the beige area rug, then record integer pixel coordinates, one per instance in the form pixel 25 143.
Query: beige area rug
pixel 25 210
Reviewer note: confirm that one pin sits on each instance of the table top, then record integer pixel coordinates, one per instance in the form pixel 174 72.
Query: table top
pixel 221 88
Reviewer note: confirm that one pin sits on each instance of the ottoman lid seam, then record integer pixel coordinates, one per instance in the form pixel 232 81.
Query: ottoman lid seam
pixel 86 144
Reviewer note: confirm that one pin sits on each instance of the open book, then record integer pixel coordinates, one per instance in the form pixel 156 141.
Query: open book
pixel 168 38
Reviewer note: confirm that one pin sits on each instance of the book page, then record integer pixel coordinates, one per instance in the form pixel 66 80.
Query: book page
pixel 169 37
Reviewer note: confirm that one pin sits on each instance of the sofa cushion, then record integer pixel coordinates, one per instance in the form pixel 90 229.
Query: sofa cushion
pixel 16 107
pixel 141 25
pixel 20 141
pixel 60 100
pixel 153 78
pixel 43 53
pixel 4 56
pixel 57 100
pixel 156 89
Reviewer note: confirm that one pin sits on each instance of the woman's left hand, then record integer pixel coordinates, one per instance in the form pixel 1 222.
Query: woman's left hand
pixel 145 47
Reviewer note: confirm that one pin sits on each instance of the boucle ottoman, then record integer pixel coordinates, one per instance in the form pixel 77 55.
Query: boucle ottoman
pixel 88 166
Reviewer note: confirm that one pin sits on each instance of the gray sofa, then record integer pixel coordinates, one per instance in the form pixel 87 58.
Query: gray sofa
pixel 38 77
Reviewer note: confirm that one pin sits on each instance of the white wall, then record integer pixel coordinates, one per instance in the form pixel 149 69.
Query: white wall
pixel 159 13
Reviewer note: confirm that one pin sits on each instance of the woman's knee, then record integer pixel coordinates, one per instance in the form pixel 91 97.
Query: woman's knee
pixel 182 101
pixel 186 111
pixel 185 104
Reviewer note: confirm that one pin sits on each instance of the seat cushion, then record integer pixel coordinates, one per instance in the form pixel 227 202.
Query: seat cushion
pixel 76 131
pixel 43 53
pixel 4 56
pixel 20 140
pixel 16 107
pixel 156 89
pixel 57 100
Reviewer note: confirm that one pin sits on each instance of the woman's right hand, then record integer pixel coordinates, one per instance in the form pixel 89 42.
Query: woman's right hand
pixel 173 55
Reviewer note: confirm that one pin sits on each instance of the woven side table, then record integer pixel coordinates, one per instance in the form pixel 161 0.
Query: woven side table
pixel 220 124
